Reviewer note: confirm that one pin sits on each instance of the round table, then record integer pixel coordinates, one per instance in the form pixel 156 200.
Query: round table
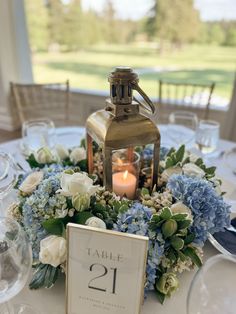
pixel 53 300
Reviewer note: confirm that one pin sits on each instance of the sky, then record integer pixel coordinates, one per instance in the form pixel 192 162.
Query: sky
pixel 135 9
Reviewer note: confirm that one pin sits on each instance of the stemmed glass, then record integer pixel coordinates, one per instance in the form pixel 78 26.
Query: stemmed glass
pixel 15 265
pixel 182 127
pixel 8 175
pixel 207 136
pixel 213 288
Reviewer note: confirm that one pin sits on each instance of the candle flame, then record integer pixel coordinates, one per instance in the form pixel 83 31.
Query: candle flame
pixel 125 175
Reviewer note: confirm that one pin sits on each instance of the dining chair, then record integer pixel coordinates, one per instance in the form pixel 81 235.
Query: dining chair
pixel 42 101
pixel 182 95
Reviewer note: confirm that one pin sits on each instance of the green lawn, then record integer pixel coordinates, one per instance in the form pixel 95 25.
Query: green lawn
pixel 88 68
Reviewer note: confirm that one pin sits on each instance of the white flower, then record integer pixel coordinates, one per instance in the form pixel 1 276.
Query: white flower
pixel 166 174
pixel 81 202
pixel 43 156
pixel 77 183
pixel 95 222
pixel 193 170
pixel 180 208
pixel 62 151
pixel 77 155
pixel 52 250
pixel 31 182
pixel 217 185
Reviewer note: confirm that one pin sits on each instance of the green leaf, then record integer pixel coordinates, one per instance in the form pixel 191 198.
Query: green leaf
pixel 54 226
pixel 144 192
pixel 199 162
pixel 181 256
pixel 169 162
pixel 83 143
pixel 210 170
pixel 33 163
pixel 44 276
pixel 180 153
pixel 189 238
pixel 166 213
pixel 184 224
pixel 186 161
pixel 160 296
pixel 177 243
pixel 83 165
pixel 171 255
pixel 179 217
pixel 190 252
pixel 171 151
pixel 82 217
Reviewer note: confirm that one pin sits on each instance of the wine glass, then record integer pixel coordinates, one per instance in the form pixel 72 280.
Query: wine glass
pixel 207 136
pixel 15 265
pixel 37 133
pixel 213 288
pixel 8 175
pixel 182 127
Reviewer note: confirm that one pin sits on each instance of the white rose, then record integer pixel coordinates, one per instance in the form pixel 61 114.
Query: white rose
pixel 193 170
pixel 52 250
pixel 77 155
pixel 62 151
pixel 77 183
pixel 96 223
pixel 166 174
pixel 31 182
pixel 43 155
pixel 180 208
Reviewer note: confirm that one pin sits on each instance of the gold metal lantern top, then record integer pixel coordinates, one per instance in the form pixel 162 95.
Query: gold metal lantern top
pixel 121 125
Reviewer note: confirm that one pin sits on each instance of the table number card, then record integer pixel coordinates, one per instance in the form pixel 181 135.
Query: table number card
pixel 105 271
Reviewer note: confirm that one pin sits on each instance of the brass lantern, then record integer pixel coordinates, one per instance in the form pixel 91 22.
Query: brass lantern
pixel 121 125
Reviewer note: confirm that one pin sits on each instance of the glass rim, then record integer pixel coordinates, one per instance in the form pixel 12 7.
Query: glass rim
pixel 183 112
pixel 136 161
pixel 210 123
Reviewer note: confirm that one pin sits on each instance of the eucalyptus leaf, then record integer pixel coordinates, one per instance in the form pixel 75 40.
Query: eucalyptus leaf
pixel 45 276
pixel 165 213
pixel 160 296
pixel 189 238
pixel 184 224
pixel 179 217
pixel 169 162
pixel 177 243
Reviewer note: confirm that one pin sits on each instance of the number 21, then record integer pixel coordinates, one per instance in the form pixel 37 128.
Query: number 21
pixel 104 273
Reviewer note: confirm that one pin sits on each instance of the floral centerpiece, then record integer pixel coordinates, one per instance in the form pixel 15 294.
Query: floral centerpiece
pixel 177 215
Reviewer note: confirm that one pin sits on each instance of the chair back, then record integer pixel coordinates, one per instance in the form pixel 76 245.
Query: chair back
pixel 182 95
pixel 42 101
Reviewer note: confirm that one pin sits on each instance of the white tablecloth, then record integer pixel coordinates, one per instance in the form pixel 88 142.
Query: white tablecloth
pixel 53 301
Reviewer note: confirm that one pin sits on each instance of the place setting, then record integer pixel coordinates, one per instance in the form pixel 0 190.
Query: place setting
pixel 114 207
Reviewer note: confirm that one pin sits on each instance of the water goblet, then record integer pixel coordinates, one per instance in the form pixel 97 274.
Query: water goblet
pixel 207 136
pixel 15 265
pixel 182 127
pixel 213 288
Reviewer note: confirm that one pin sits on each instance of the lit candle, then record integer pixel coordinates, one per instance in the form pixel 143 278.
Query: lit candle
pixel 124 183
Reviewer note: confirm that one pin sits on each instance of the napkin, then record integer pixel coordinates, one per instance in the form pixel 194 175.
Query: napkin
pixel 227 239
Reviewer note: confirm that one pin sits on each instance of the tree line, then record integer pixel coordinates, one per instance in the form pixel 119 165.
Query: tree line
pixel 63 25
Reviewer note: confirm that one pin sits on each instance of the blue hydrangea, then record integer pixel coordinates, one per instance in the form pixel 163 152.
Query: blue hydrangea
pixel 135 220
pixel 210 213
pixel 147 153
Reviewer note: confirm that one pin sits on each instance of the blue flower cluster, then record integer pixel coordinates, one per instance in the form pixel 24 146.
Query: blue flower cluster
pixel 41 205
pixel 147 153
pixel 210 213
pixel 135 220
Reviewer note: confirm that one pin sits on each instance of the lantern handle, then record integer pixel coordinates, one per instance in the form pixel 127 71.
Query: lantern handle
pixel 150 108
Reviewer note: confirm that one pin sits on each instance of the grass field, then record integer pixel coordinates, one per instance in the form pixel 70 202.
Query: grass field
pixel 88 68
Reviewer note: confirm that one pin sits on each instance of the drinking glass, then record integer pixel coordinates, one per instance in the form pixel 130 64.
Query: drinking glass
pixel 207 136
pixel 8 175
pixel 38 133
pixel 182 127
pixel 213 288
pixel 15 265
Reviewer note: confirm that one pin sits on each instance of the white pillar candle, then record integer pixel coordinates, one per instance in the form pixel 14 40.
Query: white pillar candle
pixel 124 183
